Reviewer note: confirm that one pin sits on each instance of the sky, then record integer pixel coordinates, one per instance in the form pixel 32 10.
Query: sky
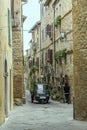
pixel 32 11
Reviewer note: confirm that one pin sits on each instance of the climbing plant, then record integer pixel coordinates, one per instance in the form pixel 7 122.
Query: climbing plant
pixel 32 84
pixel 33 69
pixel 32 80
pixel 57 21
pixel 59 54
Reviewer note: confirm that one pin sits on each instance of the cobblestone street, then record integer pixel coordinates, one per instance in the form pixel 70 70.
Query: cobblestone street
pixel 52 116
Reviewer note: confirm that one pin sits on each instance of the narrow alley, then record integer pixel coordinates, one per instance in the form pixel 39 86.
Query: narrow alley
pixel 43 42
pixel 51 116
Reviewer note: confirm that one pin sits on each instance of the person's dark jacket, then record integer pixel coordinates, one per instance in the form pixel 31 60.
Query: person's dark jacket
pixel 66 88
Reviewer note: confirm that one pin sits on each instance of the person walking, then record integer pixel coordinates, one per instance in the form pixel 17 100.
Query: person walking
pixel 32 89
pixel 67 93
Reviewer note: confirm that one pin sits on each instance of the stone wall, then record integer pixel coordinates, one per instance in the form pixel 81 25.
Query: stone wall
pixel 17 53
pixel 80 58
pixel 17 65
pixel 6 68
pixel 17 61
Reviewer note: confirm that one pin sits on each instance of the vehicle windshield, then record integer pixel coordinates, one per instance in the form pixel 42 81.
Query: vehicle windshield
pixel 42 88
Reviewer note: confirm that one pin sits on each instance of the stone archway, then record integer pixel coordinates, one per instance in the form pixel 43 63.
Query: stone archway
pixel 80 58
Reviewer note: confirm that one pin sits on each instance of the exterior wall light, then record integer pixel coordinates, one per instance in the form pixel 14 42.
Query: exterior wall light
pixel 62 34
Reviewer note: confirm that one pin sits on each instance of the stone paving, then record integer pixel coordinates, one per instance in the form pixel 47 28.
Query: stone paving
pixel 52 116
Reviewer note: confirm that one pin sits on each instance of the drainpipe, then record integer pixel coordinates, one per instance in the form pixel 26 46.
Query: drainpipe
pixel 54 38
pixel 40 36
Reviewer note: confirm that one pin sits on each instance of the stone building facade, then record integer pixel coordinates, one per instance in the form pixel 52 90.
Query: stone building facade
pixel 80 58
pixel 64 41
pixel 35 44
pixel 27 66
pixel 57 38
pixel 47 47
pixel 6 66
pixel 18 74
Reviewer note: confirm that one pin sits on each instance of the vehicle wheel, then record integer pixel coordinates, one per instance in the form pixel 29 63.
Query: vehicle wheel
pixel 32 100
pixel 39 101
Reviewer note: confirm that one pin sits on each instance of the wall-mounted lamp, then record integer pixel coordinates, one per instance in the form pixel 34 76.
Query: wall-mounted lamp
pixel 62 34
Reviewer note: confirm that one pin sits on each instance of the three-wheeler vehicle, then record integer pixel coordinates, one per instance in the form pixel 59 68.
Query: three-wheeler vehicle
pixel 41 92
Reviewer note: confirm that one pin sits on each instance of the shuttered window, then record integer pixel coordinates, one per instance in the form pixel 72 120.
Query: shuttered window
pixel 30 63
pixel 49 30
pixel 37 61
pixel 50 56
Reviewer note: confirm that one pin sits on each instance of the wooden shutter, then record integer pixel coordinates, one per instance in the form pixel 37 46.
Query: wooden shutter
pixel 50 56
